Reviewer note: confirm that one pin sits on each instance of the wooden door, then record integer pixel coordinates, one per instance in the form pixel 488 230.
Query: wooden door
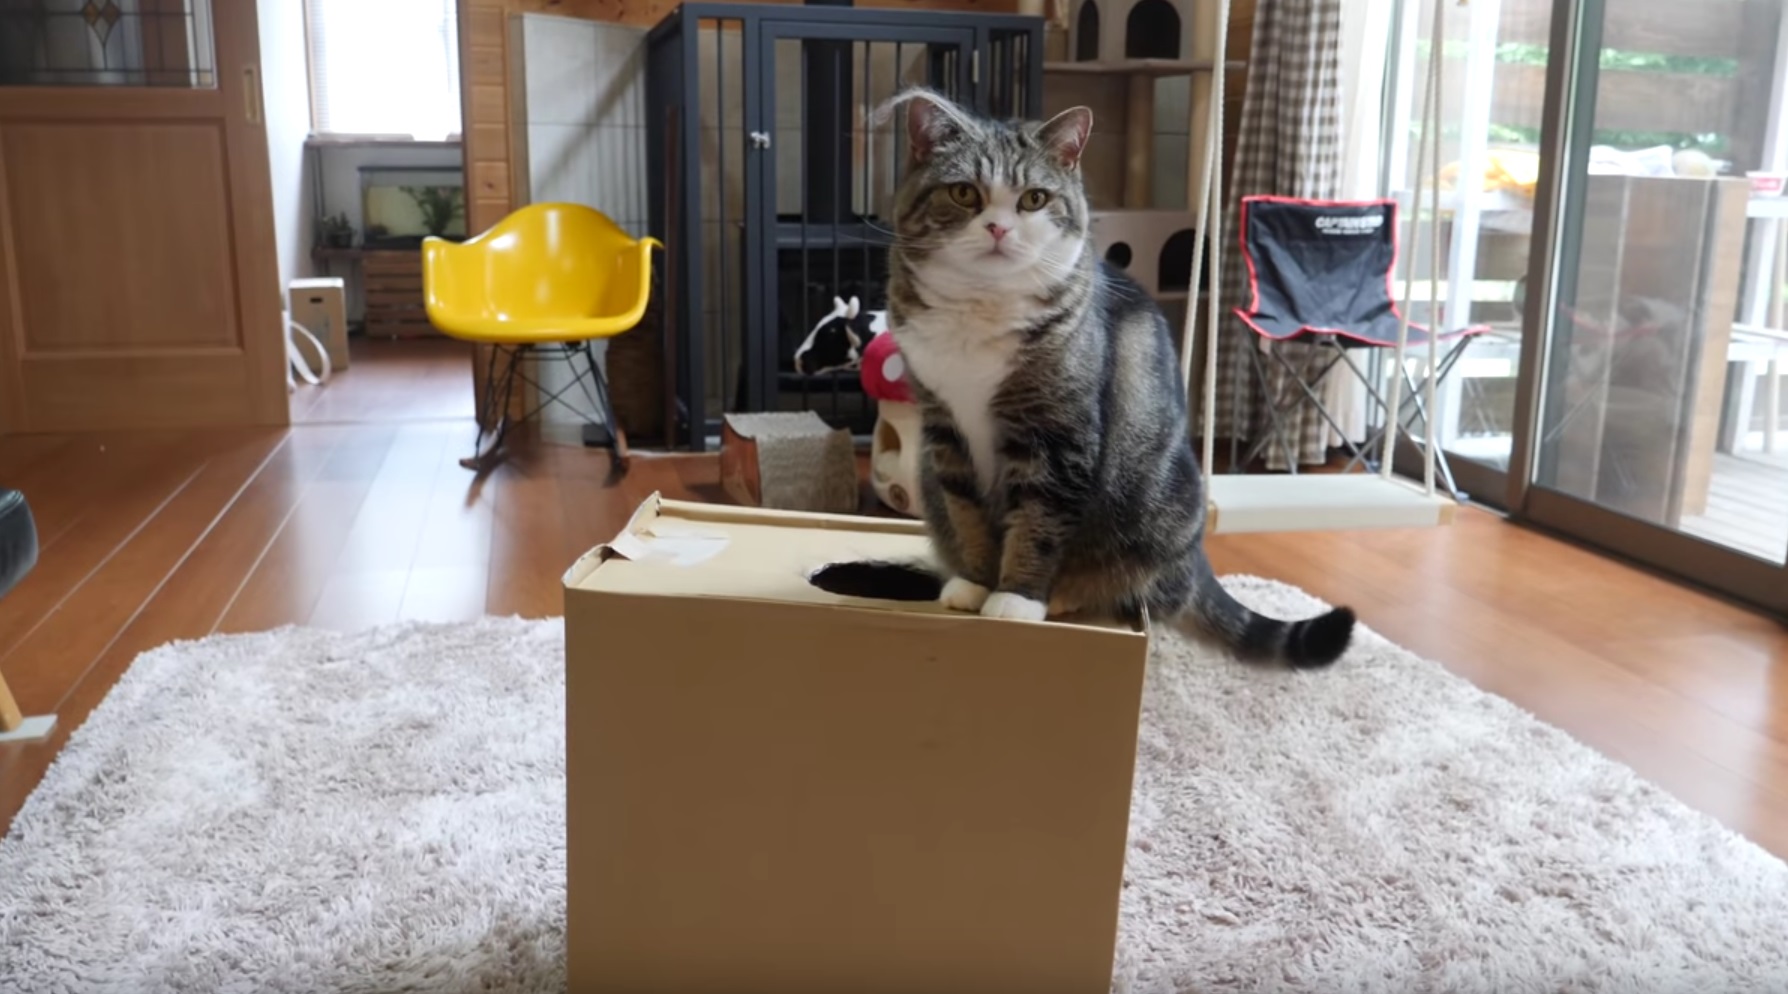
pixel 139 285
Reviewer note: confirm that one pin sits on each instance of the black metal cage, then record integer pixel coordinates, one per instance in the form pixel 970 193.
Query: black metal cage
pixel 770 174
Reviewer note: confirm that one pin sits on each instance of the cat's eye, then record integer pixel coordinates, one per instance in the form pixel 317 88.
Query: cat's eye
pixel 1033 200
pixel 965 195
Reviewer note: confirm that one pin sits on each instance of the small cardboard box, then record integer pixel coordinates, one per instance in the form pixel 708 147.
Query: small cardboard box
pixel 321 306
pixel 775 788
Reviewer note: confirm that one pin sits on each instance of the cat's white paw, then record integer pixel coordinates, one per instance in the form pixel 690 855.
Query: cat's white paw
pixel 1018 607
pixel 963 595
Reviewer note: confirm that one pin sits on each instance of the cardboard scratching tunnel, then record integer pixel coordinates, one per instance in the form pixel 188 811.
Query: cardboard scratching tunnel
pixel 777 787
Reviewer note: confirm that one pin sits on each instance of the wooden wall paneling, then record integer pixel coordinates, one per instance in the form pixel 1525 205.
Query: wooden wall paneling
pixel 1240 47
pixel 485 140
pixel 515 78
pixel 483 23
pixel 490 183
pixel 484 66
pixel 490 101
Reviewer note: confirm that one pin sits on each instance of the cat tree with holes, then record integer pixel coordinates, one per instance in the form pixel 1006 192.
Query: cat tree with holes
pixel 1135 62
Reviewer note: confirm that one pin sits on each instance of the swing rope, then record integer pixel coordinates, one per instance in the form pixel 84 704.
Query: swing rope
pixel 1210 201
pixel 1430 141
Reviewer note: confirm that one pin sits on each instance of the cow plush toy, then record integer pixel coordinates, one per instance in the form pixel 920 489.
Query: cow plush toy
pixel 837 341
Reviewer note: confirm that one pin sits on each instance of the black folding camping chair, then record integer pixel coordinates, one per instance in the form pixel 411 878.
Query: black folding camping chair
pixel 1319 274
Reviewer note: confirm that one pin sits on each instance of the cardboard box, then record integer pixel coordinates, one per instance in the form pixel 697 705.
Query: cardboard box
pixel 321 306
pixel 775 788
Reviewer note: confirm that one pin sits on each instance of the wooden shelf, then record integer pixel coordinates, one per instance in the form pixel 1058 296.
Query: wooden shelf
pixel 1139 67
pixel 394 303
pixel 328 253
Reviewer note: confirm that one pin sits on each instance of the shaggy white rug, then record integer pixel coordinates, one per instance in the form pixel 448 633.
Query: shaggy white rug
pixel 301 811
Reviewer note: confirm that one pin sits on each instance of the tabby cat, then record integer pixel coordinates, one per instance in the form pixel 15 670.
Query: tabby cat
pixel 1057 471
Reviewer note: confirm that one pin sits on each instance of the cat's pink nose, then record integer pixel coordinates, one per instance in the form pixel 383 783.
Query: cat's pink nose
pixel 998 231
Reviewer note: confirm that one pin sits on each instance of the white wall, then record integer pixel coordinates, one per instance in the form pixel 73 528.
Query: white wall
pixel 285 85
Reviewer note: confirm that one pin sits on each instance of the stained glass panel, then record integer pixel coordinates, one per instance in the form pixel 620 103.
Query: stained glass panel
pixel 107 43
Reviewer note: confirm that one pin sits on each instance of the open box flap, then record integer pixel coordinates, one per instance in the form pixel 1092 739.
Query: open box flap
pixel 682 549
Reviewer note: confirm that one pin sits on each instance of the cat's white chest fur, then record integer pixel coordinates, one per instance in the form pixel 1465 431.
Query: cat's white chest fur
pixel 963 355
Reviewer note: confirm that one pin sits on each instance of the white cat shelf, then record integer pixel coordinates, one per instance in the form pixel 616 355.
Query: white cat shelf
pixel 1153 247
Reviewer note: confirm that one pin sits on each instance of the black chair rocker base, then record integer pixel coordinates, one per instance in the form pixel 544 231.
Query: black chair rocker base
pixel 505 366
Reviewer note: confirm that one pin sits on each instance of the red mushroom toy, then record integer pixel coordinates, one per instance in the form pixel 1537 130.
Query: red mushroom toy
pixel 884 372
pixel 894 449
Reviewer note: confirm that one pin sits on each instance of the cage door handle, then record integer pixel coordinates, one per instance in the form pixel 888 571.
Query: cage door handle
pixel 760 139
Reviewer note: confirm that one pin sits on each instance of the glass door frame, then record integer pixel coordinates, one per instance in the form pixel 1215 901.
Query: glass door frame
pixel 1572 76
pixel 1479 481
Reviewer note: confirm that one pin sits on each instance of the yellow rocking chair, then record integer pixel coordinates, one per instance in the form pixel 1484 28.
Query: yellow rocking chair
pixel 545 282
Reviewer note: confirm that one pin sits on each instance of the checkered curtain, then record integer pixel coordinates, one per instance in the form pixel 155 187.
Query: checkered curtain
pixel 1289 145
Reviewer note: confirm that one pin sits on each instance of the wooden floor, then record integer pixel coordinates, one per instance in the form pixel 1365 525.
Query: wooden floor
pixel 392 381
pixel 154 536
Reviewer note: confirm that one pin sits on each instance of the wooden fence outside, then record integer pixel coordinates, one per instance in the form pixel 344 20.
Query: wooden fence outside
pixel 1732 105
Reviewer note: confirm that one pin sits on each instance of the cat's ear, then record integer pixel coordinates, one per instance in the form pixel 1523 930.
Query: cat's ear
pixel 1066 134
pixel 930 121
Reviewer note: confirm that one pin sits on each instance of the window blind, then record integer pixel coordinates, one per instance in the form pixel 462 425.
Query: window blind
pixel 384 67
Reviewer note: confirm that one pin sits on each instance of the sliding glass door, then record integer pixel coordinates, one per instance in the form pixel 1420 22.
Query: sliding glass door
pixel 1492 92
pixel 1651 417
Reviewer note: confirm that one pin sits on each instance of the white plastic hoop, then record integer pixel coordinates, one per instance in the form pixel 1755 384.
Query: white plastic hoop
pixel 296 361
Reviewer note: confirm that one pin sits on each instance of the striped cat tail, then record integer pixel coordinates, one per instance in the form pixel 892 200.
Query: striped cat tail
pixel 1254 637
